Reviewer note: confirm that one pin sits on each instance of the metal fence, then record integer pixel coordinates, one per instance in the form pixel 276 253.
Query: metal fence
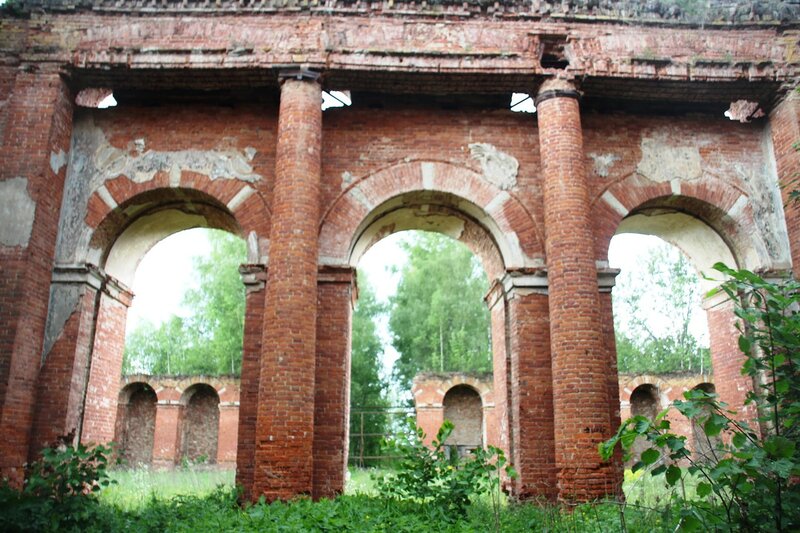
pixel 370 427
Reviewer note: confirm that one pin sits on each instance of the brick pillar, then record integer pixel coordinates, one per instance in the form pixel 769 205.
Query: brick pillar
pixel 166 435
pixel 254 277
pixel 332 381
pixel 34 149
pixel 580 362
pixel 226 434
pixel 496 301
pixel 726 357
pixel 531 387
pixel 606 281
pixel 784 124
pixel 102 390
pixel 285 422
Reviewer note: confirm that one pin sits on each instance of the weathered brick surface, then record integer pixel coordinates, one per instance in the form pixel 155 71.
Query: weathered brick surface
pixel 37 123
pixel 200 424
pixel 785 129
pixel 106 368
pixel 197 132
pixel 136 422
pixel 579 355
pixel 285 423
pixel 332 381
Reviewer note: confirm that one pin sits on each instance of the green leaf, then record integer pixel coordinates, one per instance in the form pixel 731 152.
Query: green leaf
pixel 703 489
pixel 739 439
pixel 673 475
pixel 779 446
pixel 650 456
pixel 745 345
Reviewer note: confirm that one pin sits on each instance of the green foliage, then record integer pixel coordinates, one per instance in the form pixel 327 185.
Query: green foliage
pixel 367 388
pixel 669 287
pixel 748 482
pixel 438 319
pixel 433 474
pixel 209 341
pixel 59 492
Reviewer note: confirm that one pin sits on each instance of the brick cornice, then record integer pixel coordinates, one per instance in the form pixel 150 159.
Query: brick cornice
pixel 94 277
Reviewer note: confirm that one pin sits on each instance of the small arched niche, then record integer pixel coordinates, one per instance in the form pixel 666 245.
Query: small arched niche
pixel 200 427
pixel 644 402
pixel 463 407
pixel 136 423
pixel 704 447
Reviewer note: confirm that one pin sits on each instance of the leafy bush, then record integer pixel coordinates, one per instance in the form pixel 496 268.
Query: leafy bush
pixel 433 475
pixel 59 492
pixel 749 482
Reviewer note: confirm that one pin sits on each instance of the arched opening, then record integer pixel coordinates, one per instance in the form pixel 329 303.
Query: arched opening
pixel 463 407
pixel 704 447
pixel 700 234
pixel 644 402
pixel 135 425
pixel 200 423
pixel 186 317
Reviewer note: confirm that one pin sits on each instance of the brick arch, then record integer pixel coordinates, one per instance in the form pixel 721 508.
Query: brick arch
pixel 722 207
pixel 230 205
pixel 501 216
pixel 199 423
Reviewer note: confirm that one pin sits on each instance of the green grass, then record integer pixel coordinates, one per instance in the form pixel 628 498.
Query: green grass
pixel 183 500
pixel 135 488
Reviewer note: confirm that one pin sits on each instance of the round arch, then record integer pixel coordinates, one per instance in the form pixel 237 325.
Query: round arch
pixel 711 221
pixel 432 196
pixel 135 423
pixel 199 433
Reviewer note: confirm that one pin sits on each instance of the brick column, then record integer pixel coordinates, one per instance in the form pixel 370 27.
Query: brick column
pixel 580 362
pixel 34 149
pixel 226 434
pixel 78 383
pixel 332 381
pixel 166 435
pixel 726 357
pixel 784 124
pixel 254 278
pixel 496 302
pixel 105 373
pixel 531 386
pixel 285 423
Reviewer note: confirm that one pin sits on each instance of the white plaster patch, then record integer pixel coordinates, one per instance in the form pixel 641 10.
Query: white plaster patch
pixel 17 211
pixel 250 153
pixel 497 202
pixel 243 194
pixel 663 162
pixel 142 165
pixel 736 209
pixel 675 186
pixel 347 179
pixel 104 195
pixel 428 175
pixel 499 168
pixel 252 247
pixel 57 161
pixel 603 163
pixel 615 204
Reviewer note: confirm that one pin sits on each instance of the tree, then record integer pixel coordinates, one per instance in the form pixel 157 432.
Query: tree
pixel 209 340
pixel 438 319
pixel 654 306
pixel 367 387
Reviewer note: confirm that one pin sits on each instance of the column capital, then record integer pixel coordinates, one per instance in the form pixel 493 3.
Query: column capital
pixel 254 276
pixel 297 72
pixel 94 277
pixel 556 88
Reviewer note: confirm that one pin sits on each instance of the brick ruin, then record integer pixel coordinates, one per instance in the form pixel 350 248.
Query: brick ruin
pixel 467 400
pixel 218 124
pixel 164 421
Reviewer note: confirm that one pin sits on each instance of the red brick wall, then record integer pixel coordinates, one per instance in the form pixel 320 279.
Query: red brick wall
pixel 785 128
pixel 37 122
